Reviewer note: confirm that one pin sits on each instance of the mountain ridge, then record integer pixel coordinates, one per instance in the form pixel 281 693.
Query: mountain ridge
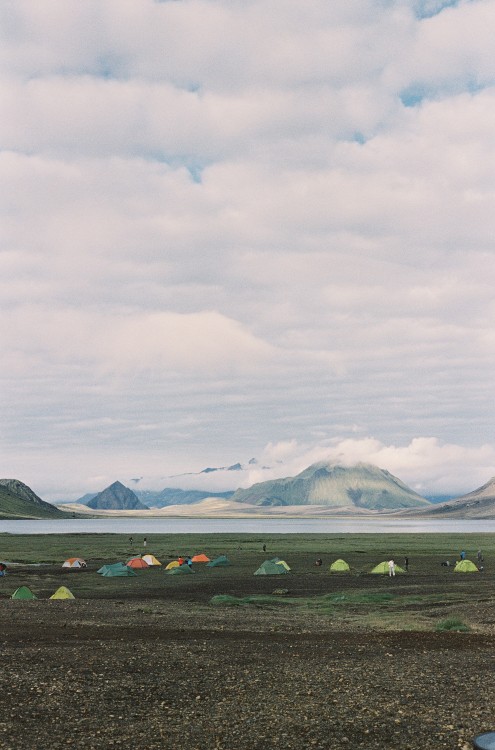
pixel 330 484
pixel 19 502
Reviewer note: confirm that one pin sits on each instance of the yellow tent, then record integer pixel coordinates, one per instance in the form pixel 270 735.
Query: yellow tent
pixel 151 560
pixel 62 593
pixel 173 564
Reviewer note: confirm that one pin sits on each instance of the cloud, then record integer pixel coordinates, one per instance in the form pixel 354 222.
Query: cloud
pixel 229 225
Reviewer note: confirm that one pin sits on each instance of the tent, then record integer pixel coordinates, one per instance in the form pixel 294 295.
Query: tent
pixel 282 562
pixel 151 560
pixel 137 562
pixel 270 568
pixel 200 558
pixel 173 564
pixel 62 593
pixel 23 592
pixel 383 568
pixel 218 562
pixel 340 566
pixel 465 566
pixel 74 562
pixel 117 569
pixel 179 570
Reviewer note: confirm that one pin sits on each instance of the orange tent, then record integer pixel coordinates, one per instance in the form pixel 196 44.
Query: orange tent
pixel 200 558
pixel 137 562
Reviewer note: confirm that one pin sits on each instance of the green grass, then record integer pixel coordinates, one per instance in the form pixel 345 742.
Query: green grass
pixel 361 551
pixel 453 623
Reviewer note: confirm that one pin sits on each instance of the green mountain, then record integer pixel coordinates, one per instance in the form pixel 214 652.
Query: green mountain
pixel 18 502
pixel 116 497
pixel 361 486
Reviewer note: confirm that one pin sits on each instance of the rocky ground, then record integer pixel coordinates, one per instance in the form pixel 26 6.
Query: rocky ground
pixel 166 669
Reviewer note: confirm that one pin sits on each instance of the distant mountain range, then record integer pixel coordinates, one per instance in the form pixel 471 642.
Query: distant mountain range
pixel 362 486
pixel 357 489
pixel 18 501
pixel 156 499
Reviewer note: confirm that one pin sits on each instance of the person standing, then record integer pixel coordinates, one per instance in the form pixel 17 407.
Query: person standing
pixel 479 555
pixel 406 563
pixel 391 568
pixel 144 542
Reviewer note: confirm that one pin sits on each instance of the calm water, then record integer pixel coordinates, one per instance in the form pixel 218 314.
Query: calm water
pixel 243 526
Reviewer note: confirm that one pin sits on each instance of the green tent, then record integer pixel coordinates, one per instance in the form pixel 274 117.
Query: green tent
pixel 340 566
pixel 180 570
pixel 23 592
pixel 270 568
pixel 117 569
pixel 382 568
pixel 218 562
pixel 465 566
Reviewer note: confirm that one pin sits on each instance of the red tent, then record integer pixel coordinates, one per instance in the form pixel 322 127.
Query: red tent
pixel 200 558
pixel 137 562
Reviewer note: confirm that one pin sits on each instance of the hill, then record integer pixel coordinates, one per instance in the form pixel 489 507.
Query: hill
pixel 174 496
pixel 18 501
pixel 116 497
pixel 479 503
pixel 360 486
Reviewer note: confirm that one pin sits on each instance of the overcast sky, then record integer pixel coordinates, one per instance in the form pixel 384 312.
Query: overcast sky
pixel 246 228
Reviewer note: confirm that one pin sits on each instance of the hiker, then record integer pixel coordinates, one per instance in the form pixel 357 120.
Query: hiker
pixel 144 542
pixel 406 563
pixel 180 560
pixel 264 548
pixel 189 561
pixel 3 569
pixel 479 555
pixel 463 555
pixel 391 568
pixel 130 540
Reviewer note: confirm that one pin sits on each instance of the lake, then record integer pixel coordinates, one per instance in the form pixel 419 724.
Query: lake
pixel 244 526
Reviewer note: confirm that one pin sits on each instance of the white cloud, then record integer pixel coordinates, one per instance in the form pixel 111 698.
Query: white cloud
pixel 245 224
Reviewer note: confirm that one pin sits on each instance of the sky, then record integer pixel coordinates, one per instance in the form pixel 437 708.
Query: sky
pixel 237 229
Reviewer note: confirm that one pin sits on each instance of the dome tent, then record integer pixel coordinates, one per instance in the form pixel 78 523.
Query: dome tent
pixel 137 562
pixel 465 566
pixel 23 592
pixel 180 570
pixel 173 564
pixel 117 569
pixel 340 566
pixel 62 593
pixel 382 568
pixel 219 562
pixel 74 562
pixel 151 560
pixel 270 568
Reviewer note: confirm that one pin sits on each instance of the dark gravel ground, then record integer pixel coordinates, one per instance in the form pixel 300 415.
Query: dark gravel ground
pixel 150 671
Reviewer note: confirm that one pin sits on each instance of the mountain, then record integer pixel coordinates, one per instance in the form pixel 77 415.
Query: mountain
pixel 477 504
pixel 361 486
pixel 174 496
pixel 116 497
pixel 18 501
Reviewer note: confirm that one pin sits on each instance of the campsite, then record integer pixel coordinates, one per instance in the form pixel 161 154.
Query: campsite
pixel 215 659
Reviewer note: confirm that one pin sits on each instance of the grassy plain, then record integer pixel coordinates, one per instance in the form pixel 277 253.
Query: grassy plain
pixel 419 599
pixel 217 660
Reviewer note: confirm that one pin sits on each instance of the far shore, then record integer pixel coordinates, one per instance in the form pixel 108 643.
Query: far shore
pixel 216 508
